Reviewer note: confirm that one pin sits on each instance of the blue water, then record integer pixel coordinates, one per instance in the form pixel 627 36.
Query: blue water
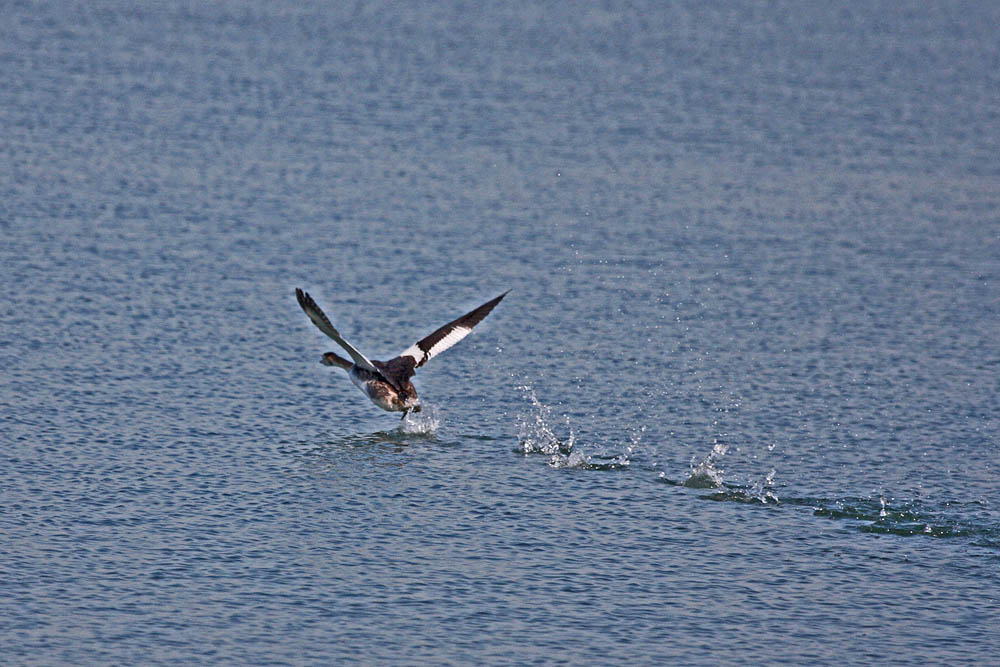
pixel 741 405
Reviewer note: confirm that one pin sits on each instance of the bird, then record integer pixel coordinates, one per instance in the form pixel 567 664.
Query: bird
pixel 388 383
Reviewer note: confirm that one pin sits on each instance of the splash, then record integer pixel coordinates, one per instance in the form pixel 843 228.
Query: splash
pixel 537 436
pixel 425 422
pixel 762 489
pixel 535 432
pixel 759 493
pixel 707 474
pixel 572 460
pixel 635 441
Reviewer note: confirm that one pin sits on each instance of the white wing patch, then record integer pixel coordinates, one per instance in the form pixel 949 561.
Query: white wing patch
pixel 422 356
pixel 444 337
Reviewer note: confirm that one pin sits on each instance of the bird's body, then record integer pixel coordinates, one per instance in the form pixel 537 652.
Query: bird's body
pixel 384 394
pixel 388 383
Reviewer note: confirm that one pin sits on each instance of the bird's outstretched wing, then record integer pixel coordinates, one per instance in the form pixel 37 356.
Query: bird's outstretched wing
pixel 323 323
pixel 430 346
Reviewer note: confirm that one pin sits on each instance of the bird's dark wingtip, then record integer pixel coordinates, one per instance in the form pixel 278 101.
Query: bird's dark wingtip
pixel 303 297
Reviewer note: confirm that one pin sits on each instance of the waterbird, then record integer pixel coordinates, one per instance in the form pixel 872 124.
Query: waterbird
pixel 387 383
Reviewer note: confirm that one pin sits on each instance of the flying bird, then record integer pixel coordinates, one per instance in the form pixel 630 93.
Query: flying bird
pixel 387 383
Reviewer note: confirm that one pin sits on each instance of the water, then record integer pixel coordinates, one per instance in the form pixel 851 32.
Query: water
pixel 754 253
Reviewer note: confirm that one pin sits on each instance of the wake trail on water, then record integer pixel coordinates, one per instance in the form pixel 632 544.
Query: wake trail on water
pixel 908 517
pixel 869 514
pixel 539 433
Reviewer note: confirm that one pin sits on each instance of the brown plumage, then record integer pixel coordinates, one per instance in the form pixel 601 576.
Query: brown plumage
pixel 387 383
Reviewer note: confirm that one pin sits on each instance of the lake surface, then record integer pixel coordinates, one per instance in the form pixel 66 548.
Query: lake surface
pixel 741 405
